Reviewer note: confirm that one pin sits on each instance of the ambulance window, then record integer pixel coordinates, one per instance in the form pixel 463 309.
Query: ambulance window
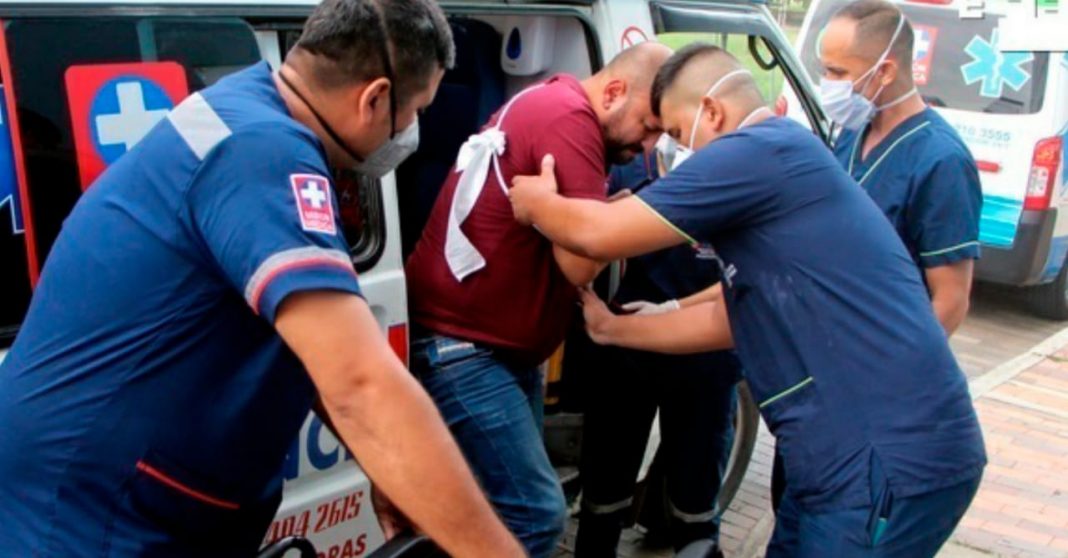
pixel 769 81
pixel 753 39
pixel 956 62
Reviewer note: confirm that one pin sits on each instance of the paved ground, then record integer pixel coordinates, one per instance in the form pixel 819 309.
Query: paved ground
pixel 1022 508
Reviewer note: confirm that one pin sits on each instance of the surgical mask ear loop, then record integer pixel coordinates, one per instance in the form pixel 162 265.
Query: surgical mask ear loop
pixel 870 74
pixel 700 107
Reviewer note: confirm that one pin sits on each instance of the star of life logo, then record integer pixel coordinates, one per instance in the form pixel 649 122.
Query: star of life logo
pixel 314 204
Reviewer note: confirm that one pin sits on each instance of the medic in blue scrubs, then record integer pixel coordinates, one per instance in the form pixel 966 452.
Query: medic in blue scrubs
pixel 903 153
pixel 201 297
pixel 907 157
pixel 830 317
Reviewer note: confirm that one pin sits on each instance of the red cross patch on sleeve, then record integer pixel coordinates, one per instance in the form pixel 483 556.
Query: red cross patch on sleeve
pixel 314 202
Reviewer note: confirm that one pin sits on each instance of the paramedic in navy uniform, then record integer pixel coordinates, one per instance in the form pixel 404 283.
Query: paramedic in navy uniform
pixel 905 156
pixel 199 300
pixel 829 315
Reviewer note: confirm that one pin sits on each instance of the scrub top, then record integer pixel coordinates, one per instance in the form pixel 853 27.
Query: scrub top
pixel 924 179
pixel 148 403
pixel 668 274
pixel 830 318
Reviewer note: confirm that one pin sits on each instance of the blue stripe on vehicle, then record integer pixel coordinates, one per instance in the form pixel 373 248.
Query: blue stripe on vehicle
pixel 999 221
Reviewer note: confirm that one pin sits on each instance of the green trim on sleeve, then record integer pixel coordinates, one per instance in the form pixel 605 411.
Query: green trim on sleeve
pixel 680 232
pixel 960 246
pixel 786 392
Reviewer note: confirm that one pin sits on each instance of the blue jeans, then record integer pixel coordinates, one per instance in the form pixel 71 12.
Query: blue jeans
pixel 494 410
pixel 912 527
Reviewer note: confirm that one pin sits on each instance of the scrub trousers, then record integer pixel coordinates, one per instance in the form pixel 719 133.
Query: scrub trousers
pixel 912 527
pixel 623 389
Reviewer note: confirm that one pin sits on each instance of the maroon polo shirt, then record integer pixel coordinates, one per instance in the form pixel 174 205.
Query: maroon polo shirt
pixel 520 301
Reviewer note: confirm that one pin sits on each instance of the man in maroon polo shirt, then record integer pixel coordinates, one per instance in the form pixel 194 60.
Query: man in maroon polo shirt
pixel 490 299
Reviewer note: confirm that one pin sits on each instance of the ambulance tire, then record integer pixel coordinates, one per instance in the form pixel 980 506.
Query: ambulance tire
pixel 1050 300
pixel 652 508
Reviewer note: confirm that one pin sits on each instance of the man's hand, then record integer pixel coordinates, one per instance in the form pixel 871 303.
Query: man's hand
pixel 392 521
pixel 597 315
pixel 527 191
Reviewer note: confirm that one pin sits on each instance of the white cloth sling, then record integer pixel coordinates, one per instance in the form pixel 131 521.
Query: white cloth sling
pixel 473 161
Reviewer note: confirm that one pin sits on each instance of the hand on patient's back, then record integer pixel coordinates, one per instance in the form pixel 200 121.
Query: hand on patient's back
pixel 525 189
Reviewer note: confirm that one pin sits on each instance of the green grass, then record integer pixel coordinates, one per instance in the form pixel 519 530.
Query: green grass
pixel 770 82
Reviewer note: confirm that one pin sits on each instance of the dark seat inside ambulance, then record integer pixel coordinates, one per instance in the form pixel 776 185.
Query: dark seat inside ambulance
pixel 469 94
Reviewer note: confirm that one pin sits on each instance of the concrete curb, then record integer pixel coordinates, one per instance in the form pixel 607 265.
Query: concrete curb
pixel 983 384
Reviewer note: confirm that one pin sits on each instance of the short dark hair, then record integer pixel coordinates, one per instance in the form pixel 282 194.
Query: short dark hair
pixel 351 34
pixel 876 21
pixel 670 70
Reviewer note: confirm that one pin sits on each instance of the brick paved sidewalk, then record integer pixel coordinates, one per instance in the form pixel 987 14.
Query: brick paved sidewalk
pixel 1021 509
pixel 1022 505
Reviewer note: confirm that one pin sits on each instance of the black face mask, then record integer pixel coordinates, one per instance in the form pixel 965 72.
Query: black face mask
pixel 387 65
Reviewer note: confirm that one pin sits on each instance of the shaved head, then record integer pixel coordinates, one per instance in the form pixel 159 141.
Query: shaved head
pixel 638 64
pixel 686 78
pixel 864 29
pixel 620 95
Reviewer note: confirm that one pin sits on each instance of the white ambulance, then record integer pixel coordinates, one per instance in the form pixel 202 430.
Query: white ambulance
pixel 51 148
pixel 1011 109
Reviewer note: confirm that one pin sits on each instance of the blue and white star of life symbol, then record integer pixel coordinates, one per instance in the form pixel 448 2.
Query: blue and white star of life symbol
pixel 9 187
pixel 123 112
pixel 994 68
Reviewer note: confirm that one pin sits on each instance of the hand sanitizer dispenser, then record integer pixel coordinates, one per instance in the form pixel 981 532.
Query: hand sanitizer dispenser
pixel 527 48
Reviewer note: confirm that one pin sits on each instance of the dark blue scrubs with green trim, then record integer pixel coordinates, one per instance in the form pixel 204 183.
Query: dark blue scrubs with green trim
pixel 924 179
pixel 832 323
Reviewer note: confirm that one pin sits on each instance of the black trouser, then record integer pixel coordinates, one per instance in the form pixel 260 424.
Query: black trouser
pixel 696 396
pixel 778 482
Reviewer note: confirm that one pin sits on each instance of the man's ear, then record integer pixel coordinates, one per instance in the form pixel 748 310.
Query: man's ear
pixel 373 100
pixel 887 73
pixel 713 112
pixel 614 91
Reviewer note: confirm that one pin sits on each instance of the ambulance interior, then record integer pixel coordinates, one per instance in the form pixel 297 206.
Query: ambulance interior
pixel 499 52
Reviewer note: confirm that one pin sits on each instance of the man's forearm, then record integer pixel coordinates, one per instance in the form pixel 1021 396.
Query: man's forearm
pixel 696 329
pixel 951 309
pixel 400 441
pixel 578 270
pixel 389 423
pixel 711 294
pixel 568 223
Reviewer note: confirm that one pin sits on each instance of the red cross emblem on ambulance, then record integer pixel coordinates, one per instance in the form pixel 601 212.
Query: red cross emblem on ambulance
pixel 315 205
pixel 113 106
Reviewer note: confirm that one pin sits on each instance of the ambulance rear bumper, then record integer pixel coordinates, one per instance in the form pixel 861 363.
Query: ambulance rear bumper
pixel 1025 262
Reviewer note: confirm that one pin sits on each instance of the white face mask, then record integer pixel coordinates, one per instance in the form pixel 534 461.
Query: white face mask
pixel 667 148
pixel 390 154
pixel 846 105
pixel 684 152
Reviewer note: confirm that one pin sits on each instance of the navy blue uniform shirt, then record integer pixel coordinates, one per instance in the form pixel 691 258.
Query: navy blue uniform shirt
pixel 830 318
pixel 668 274
pixel 148 403
pixel 924 179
